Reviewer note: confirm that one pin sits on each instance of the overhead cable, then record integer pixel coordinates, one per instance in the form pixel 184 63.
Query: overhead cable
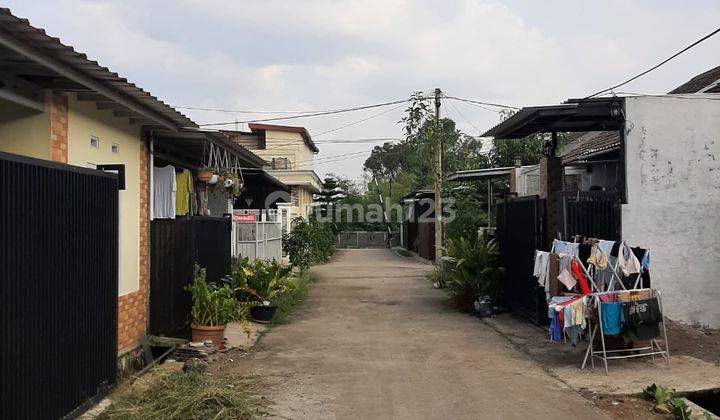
pixel 655 66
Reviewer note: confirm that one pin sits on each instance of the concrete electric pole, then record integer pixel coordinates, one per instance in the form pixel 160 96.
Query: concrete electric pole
pixel 438 180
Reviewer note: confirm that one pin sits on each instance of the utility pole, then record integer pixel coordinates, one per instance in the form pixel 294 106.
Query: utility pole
pixel 438 180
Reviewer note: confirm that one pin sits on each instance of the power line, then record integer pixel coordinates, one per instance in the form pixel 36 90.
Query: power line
pixel 331 159
pixel 241 111
pixel 655 66
pixel 360 121
pixel 480 102
pixel 313 114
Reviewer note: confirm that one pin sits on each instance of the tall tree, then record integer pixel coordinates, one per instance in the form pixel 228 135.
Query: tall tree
pixel 527 149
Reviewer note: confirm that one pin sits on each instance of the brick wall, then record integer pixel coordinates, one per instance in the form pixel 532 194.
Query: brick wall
pixel 59 127
pixel 132 308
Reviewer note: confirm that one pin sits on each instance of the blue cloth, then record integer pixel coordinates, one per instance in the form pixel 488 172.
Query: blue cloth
pixel 555 327
pixel 612 317
pixel 646 260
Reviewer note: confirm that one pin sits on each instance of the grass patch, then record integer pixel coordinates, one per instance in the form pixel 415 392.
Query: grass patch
pixel 287 302
pixel 180 395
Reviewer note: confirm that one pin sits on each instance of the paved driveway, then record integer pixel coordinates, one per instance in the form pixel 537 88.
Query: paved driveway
pixel 375 341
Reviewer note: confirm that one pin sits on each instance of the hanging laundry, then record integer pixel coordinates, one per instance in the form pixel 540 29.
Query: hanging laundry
pixel 183 195
pixel 165 186
pixel 552 286
pixel 567 279
pixel 606 246
pixel 598 257
pixel 562 247
pixel 579 275
pixel 627 261
pixel 642 319
pixel 612 317
pixel 540 268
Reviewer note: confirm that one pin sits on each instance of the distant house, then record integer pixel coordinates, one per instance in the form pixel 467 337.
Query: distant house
pixel 645 169
pixel 288 152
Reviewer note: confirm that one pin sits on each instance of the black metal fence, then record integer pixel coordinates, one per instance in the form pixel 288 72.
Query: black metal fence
pixel 175 246
pixel 593 214
pixel 521 231
pixel 58 287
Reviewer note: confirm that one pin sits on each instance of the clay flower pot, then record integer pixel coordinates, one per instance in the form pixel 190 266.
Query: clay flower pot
pixel 214 333
pixel 205 175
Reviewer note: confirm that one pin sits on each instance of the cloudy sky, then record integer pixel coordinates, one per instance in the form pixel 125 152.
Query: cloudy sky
pixel 318 55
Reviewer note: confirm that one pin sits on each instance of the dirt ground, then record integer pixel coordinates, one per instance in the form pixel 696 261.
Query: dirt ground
pixel 702 343
pixel 374 341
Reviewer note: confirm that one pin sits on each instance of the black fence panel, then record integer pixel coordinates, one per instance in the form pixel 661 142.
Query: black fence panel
pixel 58 287
pixel 175 247
pixel 594 214
pixel 521 231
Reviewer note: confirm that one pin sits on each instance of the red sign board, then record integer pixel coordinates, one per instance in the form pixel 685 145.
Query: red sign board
pixel 245 218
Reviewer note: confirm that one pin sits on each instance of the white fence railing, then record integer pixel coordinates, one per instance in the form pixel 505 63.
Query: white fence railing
pixel 258 240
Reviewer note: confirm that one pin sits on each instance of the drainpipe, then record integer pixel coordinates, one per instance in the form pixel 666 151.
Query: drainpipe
pixel 151 177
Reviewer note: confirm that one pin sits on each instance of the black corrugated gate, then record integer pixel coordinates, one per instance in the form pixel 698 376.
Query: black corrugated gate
pixel 594 214
pixel 521 231
pixel 175 246
pixel 58 286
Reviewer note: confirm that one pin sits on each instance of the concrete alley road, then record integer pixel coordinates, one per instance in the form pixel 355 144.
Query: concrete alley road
pixel 374 340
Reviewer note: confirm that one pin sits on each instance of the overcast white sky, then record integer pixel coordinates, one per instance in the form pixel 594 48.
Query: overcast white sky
pixel 317 55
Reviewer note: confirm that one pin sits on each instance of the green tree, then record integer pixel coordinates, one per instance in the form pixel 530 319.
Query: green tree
pixel 528 149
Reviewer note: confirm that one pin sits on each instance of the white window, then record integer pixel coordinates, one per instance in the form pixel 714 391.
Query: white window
pixel 94 142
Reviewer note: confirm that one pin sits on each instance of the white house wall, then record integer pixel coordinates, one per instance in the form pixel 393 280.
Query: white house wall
pixel 673 202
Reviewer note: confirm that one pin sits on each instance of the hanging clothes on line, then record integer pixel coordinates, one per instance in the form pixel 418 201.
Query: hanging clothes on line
pixel 562 247
pixel 540 269
pixel 184 193
pixel 165 186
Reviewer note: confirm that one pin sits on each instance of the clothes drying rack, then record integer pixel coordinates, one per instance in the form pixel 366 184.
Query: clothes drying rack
pixel 654 348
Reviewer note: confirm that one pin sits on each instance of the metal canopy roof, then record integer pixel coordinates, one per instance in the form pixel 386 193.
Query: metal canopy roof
pixel 475 174
pixel 190 145
pixel 30 54
pixel 576 115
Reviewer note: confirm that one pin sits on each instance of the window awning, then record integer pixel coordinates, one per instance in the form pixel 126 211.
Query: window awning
pixel 602 114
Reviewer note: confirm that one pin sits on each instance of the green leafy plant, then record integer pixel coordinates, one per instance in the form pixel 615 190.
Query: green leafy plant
pixel 475 272
pixel 212 305
pixel 309 243
pixel 260 282
pixel 667 403
pixel 230 183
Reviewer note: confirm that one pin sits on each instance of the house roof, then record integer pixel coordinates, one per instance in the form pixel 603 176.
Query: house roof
pixel 574 115
pixel 588 145
pixel 254 127
pixel 707 82
pixel 31 54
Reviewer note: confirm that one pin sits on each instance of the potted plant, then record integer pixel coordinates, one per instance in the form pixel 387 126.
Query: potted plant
pixel 205 174
pixel 230 184
pixel 262 284
pixel 213 307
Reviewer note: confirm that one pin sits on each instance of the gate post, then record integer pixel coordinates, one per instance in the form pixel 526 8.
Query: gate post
pixel 550 185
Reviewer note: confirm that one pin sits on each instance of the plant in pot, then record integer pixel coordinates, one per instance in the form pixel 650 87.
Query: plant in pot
pixel 230 184
pixel 205 174
pixel 213 307
pixel 262 283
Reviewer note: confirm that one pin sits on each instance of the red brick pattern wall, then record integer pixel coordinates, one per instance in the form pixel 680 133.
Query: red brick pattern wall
pixel 132 308
pixel 59 127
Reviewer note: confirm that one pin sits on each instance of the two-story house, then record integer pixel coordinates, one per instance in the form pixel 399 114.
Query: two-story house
pixel 289 153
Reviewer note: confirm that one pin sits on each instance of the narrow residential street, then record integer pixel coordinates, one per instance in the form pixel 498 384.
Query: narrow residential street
pixel 374 341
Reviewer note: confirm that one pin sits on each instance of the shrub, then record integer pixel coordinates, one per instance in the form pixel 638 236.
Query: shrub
pixel 309 243
pixel 475 272
pixel 212 304
pixel 262 282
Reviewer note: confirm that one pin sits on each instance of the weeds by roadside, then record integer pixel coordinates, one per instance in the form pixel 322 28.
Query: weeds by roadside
pixel 288 301
pixel 181 395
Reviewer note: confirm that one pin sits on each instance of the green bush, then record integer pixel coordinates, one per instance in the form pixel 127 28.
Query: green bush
pixel 212 305
pixel 309 243
pixel 260 282
pixel 475 272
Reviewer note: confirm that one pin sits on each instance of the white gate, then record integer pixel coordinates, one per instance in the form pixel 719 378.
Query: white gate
pixel 260 238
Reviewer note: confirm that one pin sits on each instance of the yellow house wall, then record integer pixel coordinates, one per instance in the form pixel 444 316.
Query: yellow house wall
pixel 25 132
pixel 279 144
pixel 84 121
